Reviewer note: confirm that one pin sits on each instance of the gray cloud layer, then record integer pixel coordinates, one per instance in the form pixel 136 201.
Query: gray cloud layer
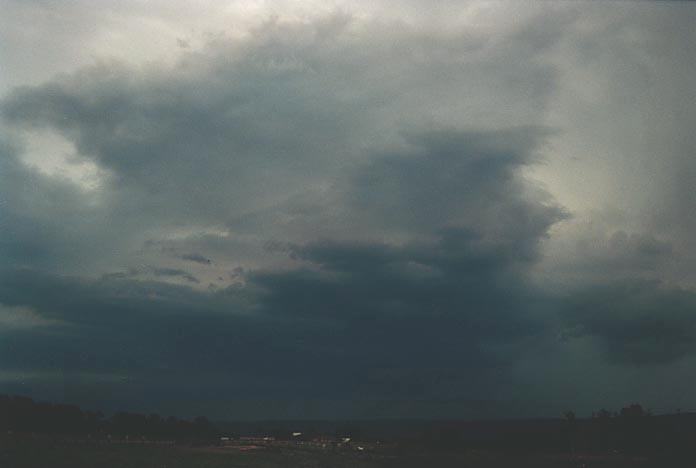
pixel 328 218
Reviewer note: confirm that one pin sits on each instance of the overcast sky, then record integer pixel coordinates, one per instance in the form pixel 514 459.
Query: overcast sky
pixel 347 209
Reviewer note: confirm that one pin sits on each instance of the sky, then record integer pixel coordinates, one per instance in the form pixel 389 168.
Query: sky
pixel 343 209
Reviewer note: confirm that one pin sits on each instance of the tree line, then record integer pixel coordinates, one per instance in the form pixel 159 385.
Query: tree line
pixel 631 430
pixel 22 414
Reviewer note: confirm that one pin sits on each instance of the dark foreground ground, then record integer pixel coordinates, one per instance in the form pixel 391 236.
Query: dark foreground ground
pixel 23 452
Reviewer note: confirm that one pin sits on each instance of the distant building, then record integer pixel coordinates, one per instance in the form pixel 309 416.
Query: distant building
pixel 256 440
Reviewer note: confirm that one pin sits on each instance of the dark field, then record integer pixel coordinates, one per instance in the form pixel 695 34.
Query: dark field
pixel 38 452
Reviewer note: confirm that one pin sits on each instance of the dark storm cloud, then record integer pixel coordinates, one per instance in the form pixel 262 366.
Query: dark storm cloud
pixel 248 136
pixel 385 311
pixel 463 180
pixel 233 128
pixel 637 322
pixel 366 339
pixel 367 188
pixel 190 143
pixel 375 316
pixel 462 290
pixel 121 325
pixel 405 308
